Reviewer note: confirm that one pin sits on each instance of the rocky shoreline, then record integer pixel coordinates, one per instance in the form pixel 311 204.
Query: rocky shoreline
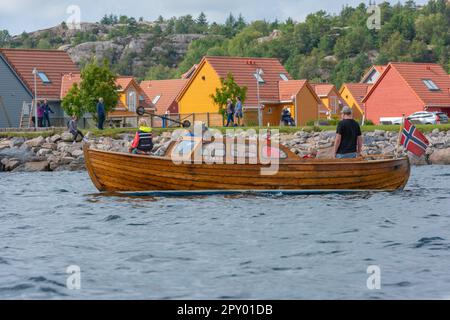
pixel 58 152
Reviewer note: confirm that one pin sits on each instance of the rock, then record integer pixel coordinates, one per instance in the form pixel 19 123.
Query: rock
pixel 379 133
pixel 16 142
pixel 66 160
pixel 55 138
pixel 440 156
pixel 435 131
pixel 49 145
pixel 36 142
pixel 12 164
pixel 66 137
pixel 76 153
pixel 34 166
pixel 43 152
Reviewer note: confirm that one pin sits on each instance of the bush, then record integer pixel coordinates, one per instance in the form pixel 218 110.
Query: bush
pixel 368 122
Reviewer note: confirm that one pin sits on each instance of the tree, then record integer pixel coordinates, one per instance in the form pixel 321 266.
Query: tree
pixel 201 20
pixel 160 72
pixel 5 37
pixel 96 81
pixel 229 90
pixel 72 103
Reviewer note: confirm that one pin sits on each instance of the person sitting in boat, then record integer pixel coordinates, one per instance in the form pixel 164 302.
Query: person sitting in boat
pixel 143 141
pixel 286 117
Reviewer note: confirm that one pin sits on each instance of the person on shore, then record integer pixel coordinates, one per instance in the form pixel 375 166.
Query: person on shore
pixel 143 141
pixel 100 114
pixel 73 129
pixel 47 111
pixel 286 117
pixel 40 114
pixel 230 112
pixel 348 143
pixel 238 114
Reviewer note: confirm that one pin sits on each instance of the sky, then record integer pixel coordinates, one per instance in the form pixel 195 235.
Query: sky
pixel 17 16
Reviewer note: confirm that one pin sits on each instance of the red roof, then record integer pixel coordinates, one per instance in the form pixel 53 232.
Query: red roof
pixel 67 82
pixel 358 90
pixel 167 90
pixel 244 69
pixel 124 82
pixel 323 89
pixel 289 89
pixel 53 63
pixel 414 74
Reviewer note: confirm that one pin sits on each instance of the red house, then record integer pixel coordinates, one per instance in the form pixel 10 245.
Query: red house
pixel 405 88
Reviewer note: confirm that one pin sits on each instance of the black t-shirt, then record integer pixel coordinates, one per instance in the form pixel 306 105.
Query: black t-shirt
pixel 350 131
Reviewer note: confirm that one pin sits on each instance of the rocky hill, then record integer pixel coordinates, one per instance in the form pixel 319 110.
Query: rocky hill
pixel 131 50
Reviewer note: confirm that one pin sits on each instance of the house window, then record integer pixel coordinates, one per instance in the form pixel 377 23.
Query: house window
pixel 431 85
pixel 156 99
pixel 44 77
pixel 131 101
pixel 284 77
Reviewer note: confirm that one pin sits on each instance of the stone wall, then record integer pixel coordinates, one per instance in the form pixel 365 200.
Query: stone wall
pixel 59 152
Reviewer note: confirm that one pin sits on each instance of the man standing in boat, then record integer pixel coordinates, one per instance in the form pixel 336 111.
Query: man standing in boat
pixel 143 141
pixel 348 143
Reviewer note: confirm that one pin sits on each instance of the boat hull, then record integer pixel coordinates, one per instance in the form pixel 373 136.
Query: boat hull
pixel 119 172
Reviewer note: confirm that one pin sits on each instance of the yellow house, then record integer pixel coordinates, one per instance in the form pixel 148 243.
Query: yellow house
pixel 268 86
pixel 353 94
pixel 330 97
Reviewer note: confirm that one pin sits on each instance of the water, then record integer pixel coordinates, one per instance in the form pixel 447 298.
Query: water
pixel 243 247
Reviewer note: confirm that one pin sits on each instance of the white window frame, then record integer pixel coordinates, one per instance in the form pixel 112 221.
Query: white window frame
pixel 132 100
pixel 431 85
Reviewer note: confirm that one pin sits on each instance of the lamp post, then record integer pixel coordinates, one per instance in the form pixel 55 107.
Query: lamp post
pixel 35 72
pixel 258 75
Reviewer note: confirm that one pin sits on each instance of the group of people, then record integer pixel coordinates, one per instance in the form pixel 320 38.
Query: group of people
pixel 43 114
pixel 234 112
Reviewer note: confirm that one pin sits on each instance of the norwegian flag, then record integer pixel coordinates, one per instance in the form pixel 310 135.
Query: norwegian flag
pixel 413 140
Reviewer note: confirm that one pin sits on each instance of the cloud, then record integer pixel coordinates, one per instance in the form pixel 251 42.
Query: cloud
pixel 29 15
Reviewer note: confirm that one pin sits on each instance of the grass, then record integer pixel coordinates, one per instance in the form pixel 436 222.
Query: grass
pixel 115 132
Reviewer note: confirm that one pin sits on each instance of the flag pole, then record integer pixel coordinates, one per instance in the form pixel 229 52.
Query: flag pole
pixel 402 125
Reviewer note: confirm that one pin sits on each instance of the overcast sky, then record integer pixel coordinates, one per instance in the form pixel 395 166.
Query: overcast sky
pixel 30 15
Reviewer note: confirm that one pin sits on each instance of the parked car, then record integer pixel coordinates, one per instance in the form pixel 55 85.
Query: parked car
pixel 424 117
pixel 443 117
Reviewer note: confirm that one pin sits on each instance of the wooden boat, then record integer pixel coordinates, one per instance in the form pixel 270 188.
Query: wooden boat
pixel 119 172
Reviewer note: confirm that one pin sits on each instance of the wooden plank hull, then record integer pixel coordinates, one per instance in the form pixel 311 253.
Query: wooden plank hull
pixel 118 172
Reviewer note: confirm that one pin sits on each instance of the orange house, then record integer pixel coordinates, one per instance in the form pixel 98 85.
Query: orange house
pixel 131 96
pixel 331 99
pixel 405 88
pixel 353 93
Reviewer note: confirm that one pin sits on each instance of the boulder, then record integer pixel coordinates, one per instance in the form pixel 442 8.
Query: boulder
pixel 66 160
pixel 16 142
pixel 36 142
pixel 43 152
pixel 66 137
pixel 49 145
pixel 12 164
pixel 55 138
pixel 440 156
pixel 34 166
pixel 76 153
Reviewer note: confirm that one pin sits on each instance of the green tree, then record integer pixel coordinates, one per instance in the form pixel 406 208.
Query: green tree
pixel 229 90
pixel 5 37
pixel 97 81
pixel 72 103
pixel 160 72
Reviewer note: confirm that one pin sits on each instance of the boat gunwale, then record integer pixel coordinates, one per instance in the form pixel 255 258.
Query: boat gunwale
pixel 281 162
